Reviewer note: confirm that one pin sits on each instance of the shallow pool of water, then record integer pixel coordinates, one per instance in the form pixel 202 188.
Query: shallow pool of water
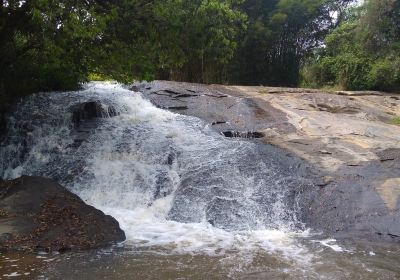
pixel 313 260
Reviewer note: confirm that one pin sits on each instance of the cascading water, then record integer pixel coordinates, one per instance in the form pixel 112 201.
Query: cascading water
pixel 168 179
pixel 193 203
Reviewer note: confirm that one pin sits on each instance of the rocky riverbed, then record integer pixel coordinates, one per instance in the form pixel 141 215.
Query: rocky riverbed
pixel 348 138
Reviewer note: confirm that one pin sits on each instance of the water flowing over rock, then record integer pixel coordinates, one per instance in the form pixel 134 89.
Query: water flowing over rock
pixel 350 140
pixel 91 110
pixel 186 194
pixel 158 173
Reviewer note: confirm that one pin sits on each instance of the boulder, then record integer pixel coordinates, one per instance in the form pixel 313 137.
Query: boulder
pixel 39 214
pixel 91 110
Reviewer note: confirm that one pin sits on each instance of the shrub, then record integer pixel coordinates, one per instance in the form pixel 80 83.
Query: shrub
pixel 396 120
pixel 385 74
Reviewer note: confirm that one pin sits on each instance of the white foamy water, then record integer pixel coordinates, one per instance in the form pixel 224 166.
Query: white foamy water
pixel 168 179
pixel 193 204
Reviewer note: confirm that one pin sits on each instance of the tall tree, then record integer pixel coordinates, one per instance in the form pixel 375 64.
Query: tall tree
pixel 45 45
pixel 197 38
pixel 280 33
pixel 362 52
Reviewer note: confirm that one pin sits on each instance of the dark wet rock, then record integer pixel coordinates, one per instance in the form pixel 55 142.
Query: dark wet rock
pixel 171 158
pixel 213 103
pixel 171 91
pixel 324 181
pixel 139 86
pixel 188 203
pixel 42 215
pixel 223 213
pixel 135 88
pixel 185 95
pixel 216 96
pixel 174 94
pixel 3 124
pixel 6 237
pixel 215 194
pixel 218 122
pixel 246 134
pixel 325 152
pixel 163 186
pixel 353 163
pixel 178 108
pixel 360 204
pixel 86 116
pixel 346 136
pixel 92 110
pixel 391 154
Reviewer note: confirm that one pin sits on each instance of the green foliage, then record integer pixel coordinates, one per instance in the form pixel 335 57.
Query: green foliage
pixel 56 45
pixel 97 77
pixel 197 38
pixel 385 74
pixel 279 35
pixel 45 45
pixel 396 120
pixel 127 49
pixel 362 52
pixel 312 74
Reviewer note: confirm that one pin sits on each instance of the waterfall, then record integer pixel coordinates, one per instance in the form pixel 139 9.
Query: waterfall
pixel 170 180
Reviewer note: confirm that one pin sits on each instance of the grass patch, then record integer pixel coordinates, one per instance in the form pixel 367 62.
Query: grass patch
pixel 396 120
pixel 95 77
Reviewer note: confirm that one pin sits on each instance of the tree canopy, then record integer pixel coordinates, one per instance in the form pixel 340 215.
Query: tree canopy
pixel 362 52
pixel 56 45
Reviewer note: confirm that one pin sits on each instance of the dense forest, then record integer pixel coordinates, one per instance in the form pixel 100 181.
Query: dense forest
pixel 56 45
pixel 361 52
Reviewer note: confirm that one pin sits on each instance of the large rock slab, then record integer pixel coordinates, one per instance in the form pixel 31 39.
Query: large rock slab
pixel 228 111
pixel 39 214
pixel 347 137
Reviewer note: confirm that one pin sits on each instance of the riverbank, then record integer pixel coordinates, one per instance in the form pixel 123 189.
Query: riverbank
pixel 348 137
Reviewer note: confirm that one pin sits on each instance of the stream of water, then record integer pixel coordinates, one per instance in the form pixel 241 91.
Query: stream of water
pixel 193 203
